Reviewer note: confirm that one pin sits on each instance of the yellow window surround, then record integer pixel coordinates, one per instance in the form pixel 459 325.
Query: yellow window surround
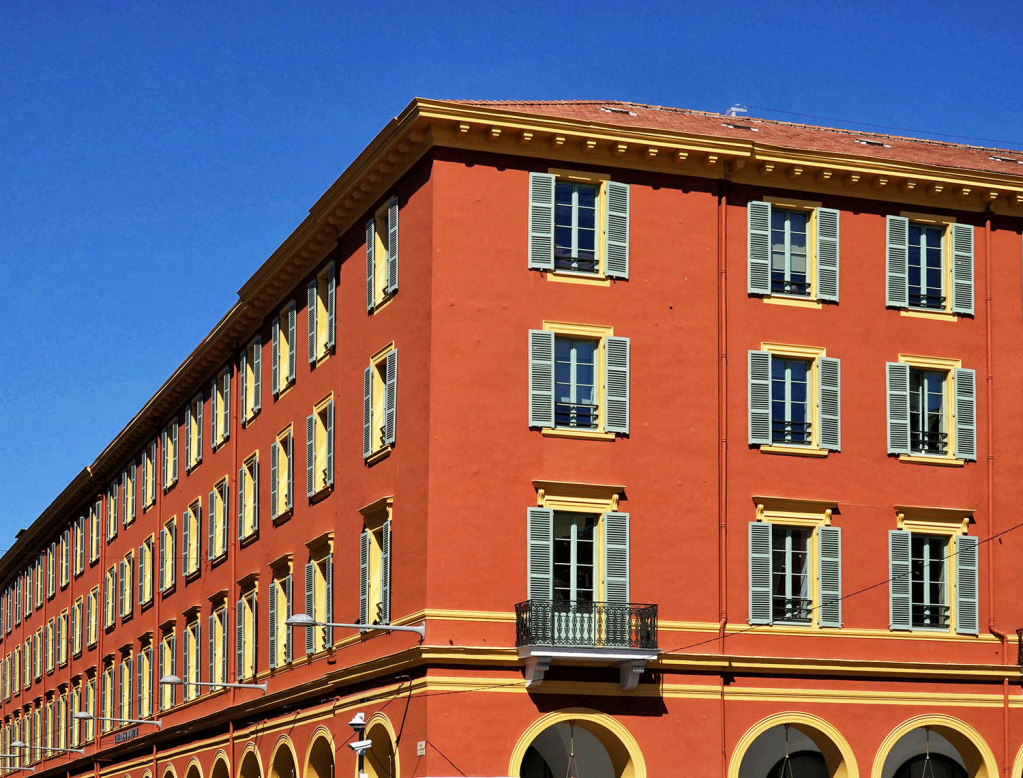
pixel 378 511
pixel 577 497
pixel 587 279
pixel 281 509
pixel 249 400
pixel 378 363
pixel 249 466
pixel 945 222
pixel 321 545
pixel 322 283
pixel 809 206
pixel 283 350
pixel 381 222
pixel 813 355
pixel 598 333
pixel 320 441
pixel 948 366
pixel 933 520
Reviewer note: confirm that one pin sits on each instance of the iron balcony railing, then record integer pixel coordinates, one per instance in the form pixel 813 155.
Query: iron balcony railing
pixel 585 624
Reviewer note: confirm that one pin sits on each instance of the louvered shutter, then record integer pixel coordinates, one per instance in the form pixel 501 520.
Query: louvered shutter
pixel 541 378
pixel 257 373
pixel 962 268
pixel 274 503
pixel 171 541
pixel 364 578
pixel 124 496
pixel 617 230
pixel 126 695
pixel 225 505
pixel 223 646
pixel 289 445
pixel 827 254
pixel 274 645
pixel 163 458
pixel 371 237
pixel 311 320
pixel 80 548
pixel 331 295
pixel 174 450
pixel 759 573
pixel 214 415
pixel 616 366
pixel 541 221
pixel 897 263
pixel 897 384
pixel 390 397
pixel 385 573
pixel 899 585
pixel 174 666
pixel 292 342
pixel 367 412
pixel 328 600
pixel 163 559
pixel 830 404
pixel 211 647
pixel 966 413
pixel 226 420
pixel 120 587
pixel 287 615
pixel 616 557
pixel 392 246
pixel 255 494
pixel 540 554
pixel 758 256
pixel 211 525
pixel 186 545
pixel 328 468
pixel 759 398
pixel 310 606
pixel 198 429
pixel 310 455
pixel 275 356
pixel 188 439
pixel 241 502
pixel 139 583
pixel 239 640
pixel 829 575
pixel 139 707
pixel 243 384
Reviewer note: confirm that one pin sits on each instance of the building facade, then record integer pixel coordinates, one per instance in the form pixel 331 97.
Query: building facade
pixel 708 471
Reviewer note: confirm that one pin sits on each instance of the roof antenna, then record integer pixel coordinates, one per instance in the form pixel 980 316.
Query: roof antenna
pixel 735 110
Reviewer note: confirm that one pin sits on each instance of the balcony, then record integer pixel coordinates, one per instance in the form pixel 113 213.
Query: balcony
pixel 569 632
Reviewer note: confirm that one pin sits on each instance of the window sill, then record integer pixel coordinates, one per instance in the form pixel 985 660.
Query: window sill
pixel 793 302
pixel 795 451
pixel 924 459
pixel 249 418
pixel 321 358
pixel 380 453
pixel 321 493
pixel 582 279
pixel 576 434
pixel 283 390
pixel 379 305
pixel 922 313
pixel 215 561
pixel 248 538
pixel 282 517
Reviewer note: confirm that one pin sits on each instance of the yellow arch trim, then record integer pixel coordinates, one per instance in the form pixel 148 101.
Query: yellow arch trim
pixel 168 769
pixel 147 774
pixel 220 756
pixel 976 753
pixel 381 720
pixel 836 749
pixel 612 725
pixel 320 733
pixel 193 762
pixel 250 747
pixel 283 742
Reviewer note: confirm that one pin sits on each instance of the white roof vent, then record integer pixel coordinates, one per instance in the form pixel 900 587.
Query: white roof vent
pixel 879 144
pixel 739 127
pixel 1006 159
pixel 611 109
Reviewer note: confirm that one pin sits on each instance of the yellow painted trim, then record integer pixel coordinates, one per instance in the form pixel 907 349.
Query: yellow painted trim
pixel 794 451
pixel 1017 764
pixel 561 495
pixel 634 768
pixel 381 505
pixel 930 363
pixel 595 331
pixel 379 719
pixel 250 748
pixel 577 434
pixel 381 453
pixel 588 279
pixel 795 351
pixel 382 353
pixel 193 763
pixel 947 365
pixel 922 459
pixel 168 770
pixel 976 753
pixel 914 313
pixel 928 218
pixel 579 176
pixel 809 301
pixel 563 277
pixel 813 354
pixel 793 204
pixel 218 757
pixel 793 302
pixel 283 741
pixel 835 748
pixel 320 733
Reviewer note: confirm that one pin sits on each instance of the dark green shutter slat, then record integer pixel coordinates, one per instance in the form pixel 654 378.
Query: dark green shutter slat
pixel 830 576
pixel 310 607
pixel 331 297
pixel 257 359
pixel 540 553
pixel 760 579
pixel 962 268
pixel 275 356
pixel 758 253
pixel 292 343
pixel 371 236
pixel 310 455
pixel 541 221
pixel 391 285
pixel 897 385
pixel 759 402
pixel 897 263
pixel 827 254
pixel 967 618
pixel 966 413
pixel 390 396
pixel 364 578
pixel 367 412
pixel 311 320
pixel 617 230
pixel 541 378
pixel 830 404
pixel 329 444
pixel 616 396
pixel 385 573
pixel 899 609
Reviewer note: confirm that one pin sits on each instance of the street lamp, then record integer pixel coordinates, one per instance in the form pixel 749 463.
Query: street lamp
pixel 173 680
pixel 23 744
pixel 305 620
pixel 86 716
pixel 360 746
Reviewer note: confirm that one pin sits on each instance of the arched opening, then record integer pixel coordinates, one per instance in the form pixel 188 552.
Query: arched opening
pixel 577 744
pixel 934 747
pixel 282 764
pixel 250 765
pixel 320 763
pixel 793 745
pixel 193 771
pixel 220 769
pixel 380 760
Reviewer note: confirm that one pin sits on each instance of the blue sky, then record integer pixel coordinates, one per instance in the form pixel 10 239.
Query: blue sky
pixel 153 155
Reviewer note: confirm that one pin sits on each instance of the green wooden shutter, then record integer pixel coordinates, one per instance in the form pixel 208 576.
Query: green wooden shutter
pixel 186 562
pixel 241 502
pixel 257 359
pixel 310 606
pixel 211 525
pixel 391 284
pixel 331 295
pixel 829 575
pixel 617 230
pixel 616 396
pixel 274 501
pixel 214 414
pixel 226 420
pixel 759 402
pixel 292 342
pixel 899 608
pixel 897 274
pixel 827 254
pixel 897 382
pixel 758 251
pixel 310 455
pixel 163 462
pixel 140 583
pixel 540 553
pixel 385 573
pixel 139 677
pixel 541 221
pixel 962 268
pixel 198 430
pixel 311 320
pixel 275 356
pixel 830 405
pixel 367 412
pixel 175 450
pixel 329 433
pixel 188 439
pixel 255 492
pixel 124 496
pixel 328 599
pixel 272 624
pixel 364 578
pixel 225 503
pixel 966 413
pixel 243 382
pixel 616 557
pixel 211 646
pixel 760 573
pixel 967 619
pixel 239 640
pixel 390 396
pixel 541 378
pixel 289 445
pixel 371 239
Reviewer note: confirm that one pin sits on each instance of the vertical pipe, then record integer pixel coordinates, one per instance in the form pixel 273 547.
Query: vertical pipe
pixel 722 410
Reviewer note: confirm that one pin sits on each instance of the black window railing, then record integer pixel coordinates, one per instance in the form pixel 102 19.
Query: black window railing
pixel 928 442
pixel 792 608
pixel 790 431
pixel 929 615
pixel 563 260
pixel 579 415
pixel 585 624
pixel 782 285
pixel 930 301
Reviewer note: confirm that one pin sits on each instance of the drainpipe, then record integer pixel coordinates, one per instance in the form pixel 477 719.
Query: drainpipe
pixel 722 409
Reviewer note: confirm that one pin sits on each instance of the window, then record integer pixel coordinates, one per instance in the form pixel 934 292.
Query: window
pixel 128 480
pixel 933 572
pixel 61 637
pixel 216 547
pixel 37 577
pixel 319 599
pixel 168 559
pixel 282 476
pixel 126 593
pixel 248 498
pixel 931 410
pixel 144 574
pixel 794 401
pixel 319 428
pixel 65 559
pixel 190 659
pixel 792 251
pixel 375 564
pixel 280 611
pixel 379 403
pixel 578 225
pixel 76 705
pixel 92 617
pixel 90 706
pixel 578 381
pixel 77 611
pixel 382 255
pixel 48 725
pixel 169 455
pixel 110 592
pixel 217 669
pixel 144 681
pixel 250 374
pixel 193 433
pixel 37 654
pixel 16 669
pixel 112 498
pixel 168 666
pixel 929 265
pixel 149 476
pixel 79 546
pixel 191 522
pixel 282 363
pixel 245 627
pixel 94 531
pixel 320 313
pixel 107 697
pixel 220 408
pixel 124 686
